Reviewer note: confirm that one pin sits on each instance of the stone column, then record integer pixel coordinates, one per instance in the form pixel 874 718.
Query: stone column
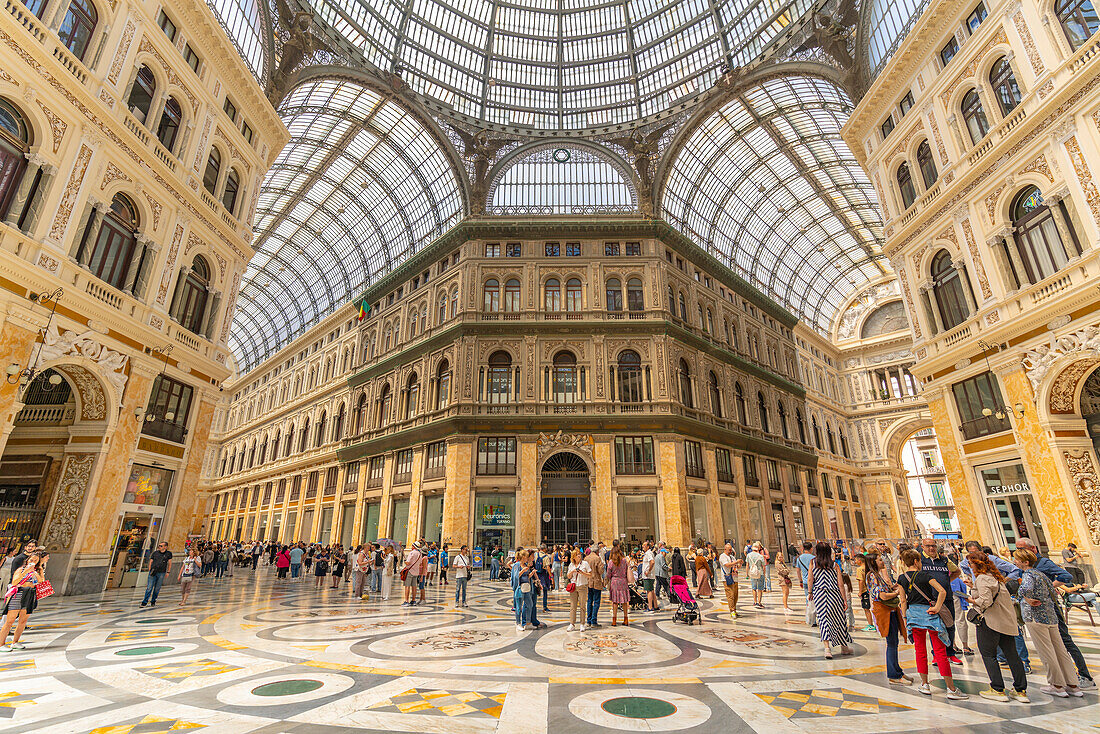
pixel 84 241
pixel 187 515
pixel 603 498
pixel 457 528
pixel 34 163
pixel 714 505
pixel 151 249
pixel 529 496
pixel 49 175
pixel 1053 201
pixel 930 303
pixel 968 292
pixel 360 505
pixel 385 504
pixel 999 247
pixel 676 528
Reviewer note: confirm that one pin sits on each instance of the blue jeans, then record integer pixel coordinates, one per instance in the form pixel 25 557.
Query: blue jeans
pixel 460 590
pixel 592 609
pixel 295 570
pixel 494 569
pixel 520 600
pixel 893 667
pixel 531 603
pixel 544 580
pixel 152 587
pixel 223 568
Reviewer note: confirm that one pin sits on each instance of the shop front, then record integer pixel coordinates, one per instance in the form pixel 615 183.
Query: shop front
pixel 399 521
pixel 347 524
pixel 730 531
pixel 143 502
pixel 637 518
pixel 1013 513
pixel 780 527
pixel 370 522
pixel 494 521
pixel 697 508
pixel 432 529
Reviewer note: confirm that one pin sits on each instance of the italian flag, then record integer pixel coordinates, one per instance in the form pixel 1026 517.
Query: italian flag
pixel 363 308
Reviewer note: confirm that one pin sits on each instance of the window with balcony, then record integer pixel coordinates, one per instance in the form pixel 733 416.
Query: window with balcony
pixel 168 409
pixel 78 26
pixel 614 294
pixel 435 460
pixel 1036 234
pixel 1005 89
pixel 781 414
pixel 905 186
pixel 762 407
pixel 412 396
pixel 443 385
pixel 512 300
pixel 977 124
pixel 231 191
pixel 385 400
pixel 376 471
pixel 715 394
pixel 634 455
pixel 724 465
pixel 980 406
pixel 752 479
pixel 212 172
pixel 564 378
pixel 189 304
pixel 573 296
pixel 739 404
pixel 491 301
pixel 926 165
pixel 498 383
pixel 338 424
pixel 14 150
pixel 1079 20
pixel 684 378
pixel 635 296
pixel 552 295
pixel 142 93
pixel 170 121
pixel 947 289
pixel 496 456
pixel 111 252
pixel 629 378
pixel 693 460
pixel 403 466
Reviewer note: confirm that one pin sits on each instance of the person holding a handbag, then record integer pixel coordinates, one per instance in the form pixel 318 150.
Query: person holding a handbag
pixel 576 586
pixel 523 588
pixel 1039 604
pixel 994 618
pixel 886 613
pixel 461 567
pixel 924 600
pixel 21 598
pixel 409 574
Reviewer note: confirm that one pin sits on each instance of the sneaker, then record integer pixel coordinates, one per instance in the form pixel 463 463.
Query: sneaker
pixel 583 627
pixel 1051 690
pixel 955 660
pixel 956 695
pixel 144 604
pixel 1019 696
pixel 520 627
pixel 1075 691
pixel 5 648
pixel 570 628
pixel 733 615
pixel 898 682
pixel 1087 684
pixel 925 689
pixel 993 695
pixel 907 679
pixel 968 652
pixel 870 628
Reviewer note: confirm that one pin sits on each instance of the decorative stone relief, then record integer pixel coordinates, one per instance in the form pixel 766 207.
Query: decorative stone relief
pixel 56 344
pixel 863 303
pixel 107 98
pixel 1029 43
pixel 1087 484
pixel 968 71
pixel 1038 361
pixel 548 443
pixel 976 258
pixel 155 206
pixel 234 152
pixel 57 125
pixel 904 144
pixel 76 474
pixel 112 174
pixel 909 303
pixel 48 262
pixel 202 150
pixel 1039 165
pixel 229 309
pixel 123 49
pixel 5 76
pixel 897 356
pixel 1084 176
pixel 68 196
pixel 939 141
pixel 991 203
pixel 169 267
pixel 156 322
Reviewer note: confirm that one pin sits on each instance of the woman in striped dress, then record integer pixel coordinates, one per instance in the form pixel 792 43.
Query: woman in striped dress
pixel 831 605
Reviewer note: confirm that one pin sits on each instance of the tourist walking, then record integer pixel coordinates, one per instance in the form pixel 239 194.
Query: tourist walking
pixel 660 571
pixel 297 555
pixel 20 599
pixel 649 576
pixel 389 568
pixel 160 563
pixel 409 575
pixel 577 586
pixel 784 572
pixel 757 568
pixel 282 562
pixel 830 604
pixel 618 586
pixel 461 567
pixel 703 574
pixel 1039 605
pixel 362 563
pixel 924 598
pixel 595 587
pixel 996 628
pixel 728 562
pixel 803 564
pixel 886 611
pixel 189 569
pixel 523 585
pixel 859 561
pixel 320 567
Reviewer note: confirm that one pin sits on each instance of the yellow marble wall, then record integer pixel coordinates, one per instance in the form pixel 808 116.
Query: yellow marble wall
pixel 457 525
pixel 602 514
pixel 964 488
pixel 188 514
pixel 15 344
pixel 360 505
pixel 385 509
pixel 1047 488
pixel 415 500
pixel 528 505
pixel 677 529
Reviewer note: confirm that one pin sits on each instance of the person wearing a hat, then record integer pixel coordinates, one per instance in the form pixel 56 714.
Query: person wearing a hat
pixel 755 562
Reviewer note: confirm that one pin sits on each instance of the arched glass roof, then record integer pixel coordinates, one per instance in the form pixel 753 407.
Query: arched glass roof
pixel 890 23
pixel 361 185
pixel 768 186
pixel 242 20
pixel 562 180
pixel 558 64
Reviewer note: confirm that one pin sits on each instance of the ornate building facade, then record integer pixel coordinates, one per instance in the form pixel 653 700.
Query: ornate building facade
pixel 981 136
pixel 133 142
pixel 551 378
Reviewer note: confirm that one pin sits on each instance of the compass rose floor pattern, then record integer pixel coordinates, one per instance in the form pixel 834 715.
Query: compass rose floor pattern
pixel 252 654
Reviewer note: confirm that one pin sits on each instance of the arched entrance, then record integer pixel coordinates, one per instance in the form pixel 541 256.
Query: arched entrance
pixel 566 486
pixel 1090 409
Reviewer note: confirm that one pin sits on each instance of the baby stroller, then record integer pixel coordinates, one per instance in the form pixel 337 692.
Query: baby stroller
pixel 688 609
pixel 638 600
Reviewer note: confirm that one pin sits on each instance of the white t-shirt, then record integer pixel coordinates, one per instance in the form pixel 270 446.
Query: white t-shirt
pixel 728 564
pixel 461 564
pixel 756 564
pixel 581 578
pixel 649 565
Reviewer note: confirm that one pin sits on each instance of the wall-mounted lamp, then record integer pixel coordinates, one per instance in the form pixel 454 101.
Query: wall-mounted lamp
pixel 24 376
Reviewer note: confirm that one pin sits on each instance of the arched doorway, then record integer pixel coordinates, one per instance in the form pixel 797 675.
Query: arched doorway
pixel 566 499
pixel 1090 410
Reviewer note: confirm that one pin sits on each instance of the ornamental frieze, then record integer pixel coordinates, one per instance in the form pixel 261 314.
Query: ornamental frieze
pixel 1087 484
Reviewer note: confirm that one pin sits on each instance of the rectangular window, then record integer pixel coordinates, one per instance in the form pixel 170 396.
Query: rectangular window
pixel 312 484
pixel 435 460
pixel 166 25
pixel 230 109
pixel 852 491
pixel 514 249
pixel 191 58
pixel 974 396
pixel 351 477
pixel 976 17
pixel 280 491
pixel 693 460
pixel 887 126
pixel 572 249
pixel 166 414
pixel 496 456
pixel 634 455
pixel 492 249
pixel 611 249
pixel 296 488
pixel 949 50
pixel 811 483
pixel 331 476
pixel 752 479
pixel 375 471
pixel 403 466
pixel 553 249
pixel 633 248
pixel 246 131
pixel 906 103
pixel 725 465
pixel 938 496
pixel 771 467
pixel 826 487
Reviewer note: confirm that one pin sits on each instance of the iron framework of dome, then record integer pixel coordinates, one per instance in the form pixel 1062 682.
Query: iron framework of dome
pixel 405 117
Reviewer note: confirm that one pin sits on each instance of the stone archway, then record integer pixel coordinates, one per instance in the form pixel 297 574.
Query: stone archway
pixel 565 498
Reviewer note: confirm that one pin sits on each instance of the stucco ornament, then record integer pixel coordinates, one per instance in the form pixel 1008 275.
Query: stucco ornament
pixel 76 474
pixel 1038 361
pixel 548 443
pixel 57 344
pixel 1087 484
pixel 863 303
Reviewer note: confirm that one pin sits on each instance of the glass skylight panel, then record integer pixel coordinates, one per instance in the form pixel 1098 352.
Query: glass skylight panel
pixel 242 22
pixel 890 22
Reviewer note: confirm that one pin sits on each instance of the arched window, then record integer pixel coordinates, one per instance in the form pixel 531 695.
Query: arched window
pixel 1036 234
pixel 413 321
pixel 1079 20
pixel 360 414
pixel 564 378
pixel 630 377
pixel 498 385
pixel 573 295
pixel 974 115
pixel 443 385
pixel 710 322
pixel 781 413
pixel 671 301
pixel 512 296
pixel 552 292
pixel 275 446
pixel 78 27
pixel 948 289
pixel 926 165
pixel 384 400
pixel 338 424
pixel 685 385
pixel 14 146
pixel 832 439
pixel 114 245
pixel 492 295
pixel 702 320
pixel 683 308
pixel 442 315
pixel 232 189
pixel 801 425
pixel 303 436
pixel 635 297
pixel 762 406
pixel 319 437
pixel 454 303
pixel 1005 89
pixel 817 434
pixel 844 444
pixel 289 440
pixel 169 126
pixel 739 403
pixel 614 295
pixel 412 396
pixel 212 172
pixel 715 395
pixel 141 94
pixel 190 306
pixel 905 186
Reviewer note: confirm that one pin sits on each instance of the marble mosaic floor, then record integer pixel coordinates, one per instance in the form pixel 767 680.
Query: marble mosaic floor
pixel 250 654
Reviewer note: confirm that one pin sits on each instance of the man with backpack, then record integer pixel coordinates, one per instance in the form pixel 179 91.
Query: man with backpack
pixel 542 570
pixel 803 564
